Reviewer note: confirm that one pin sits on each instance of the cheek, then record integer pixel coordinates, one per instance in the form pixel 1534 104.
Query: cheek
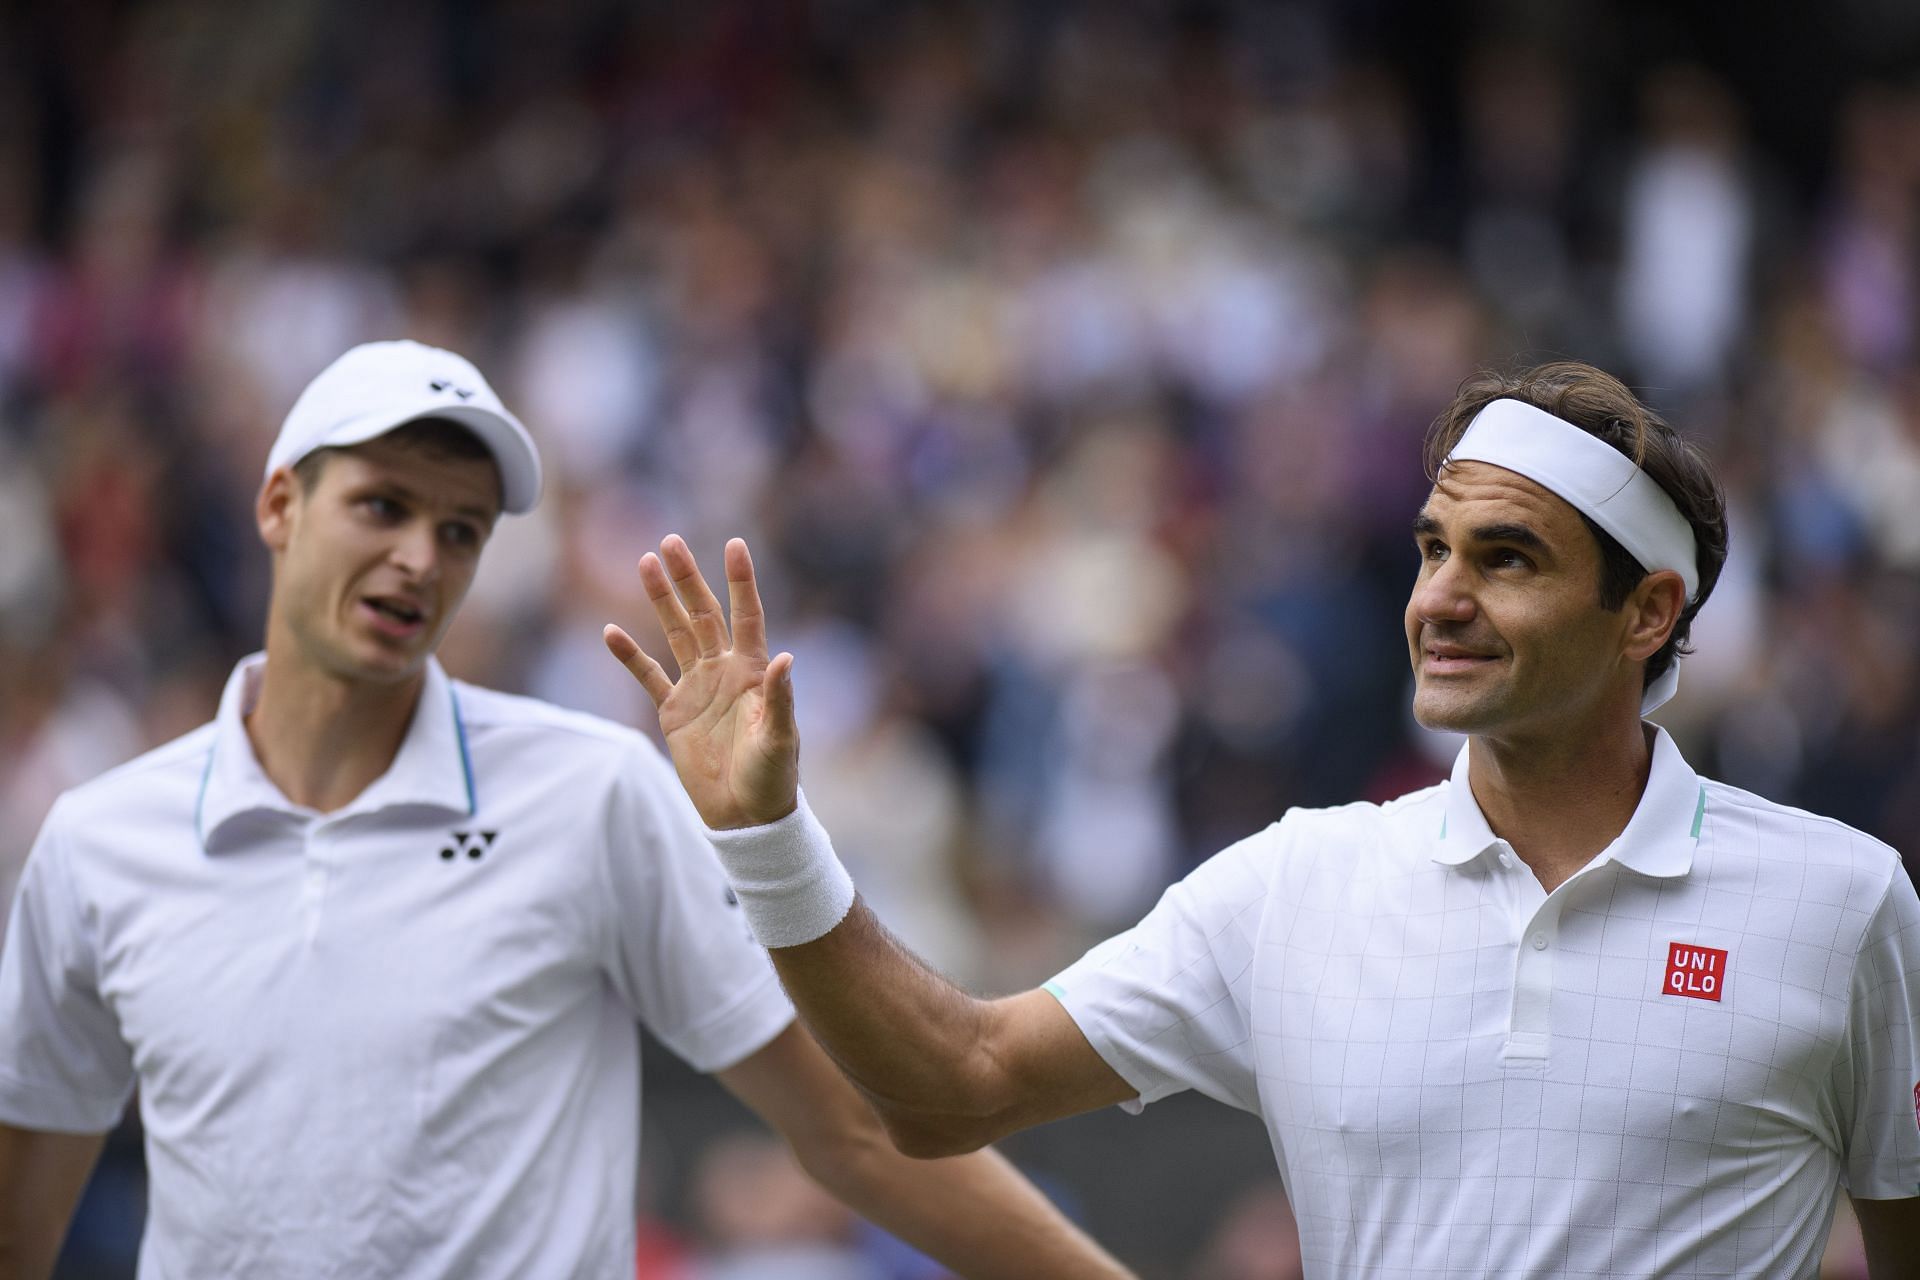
pixel 455 580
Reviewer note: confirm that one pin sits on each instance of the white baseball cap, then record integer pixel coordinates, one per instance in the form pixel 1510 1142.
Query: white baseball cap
pixel 378 386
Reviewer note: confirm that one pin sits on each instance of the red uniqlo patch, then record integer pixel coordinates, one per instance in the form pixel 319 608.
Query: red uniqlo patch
pixel 1700 972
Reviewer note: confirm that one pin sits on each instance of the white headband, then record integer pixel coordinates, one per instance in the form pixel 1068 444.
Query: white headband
pixel 1597 480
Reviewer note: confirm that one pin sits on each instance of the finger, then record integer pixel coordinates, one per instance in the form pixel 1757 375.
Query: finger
pixel 673 616
pixel 703 608
pixel 776 690
pixel 743 602
pixel 649 673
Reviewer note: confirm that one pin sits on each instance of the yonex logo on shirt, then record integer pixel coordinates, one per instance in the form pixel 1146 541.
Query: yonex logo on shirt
pixel 1699 972
pixel 471 843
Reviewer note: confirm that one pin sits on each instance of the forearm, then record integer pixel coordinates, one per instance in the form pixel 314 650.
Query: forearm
pixel 975 1214
pixel 1890 1232
pixel 911 1039
pixel 41 1178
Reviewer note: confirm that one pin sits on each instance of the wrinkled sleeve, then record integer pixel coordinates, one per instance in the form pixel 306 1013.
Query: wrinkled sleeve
pixel 63 1065
pixel 680 951
pixel 1877 1076
pixel 1167 1003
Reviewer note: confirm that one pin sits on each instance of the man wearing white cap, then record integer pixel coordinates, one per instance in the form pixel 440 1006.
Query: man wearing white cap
pixel 1574 1011
pixel 374 942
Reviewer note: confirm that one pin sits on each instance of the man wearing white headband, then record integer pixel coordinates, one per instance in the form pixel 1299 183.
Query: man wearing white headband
pixel 374 943
pixel 1574 1011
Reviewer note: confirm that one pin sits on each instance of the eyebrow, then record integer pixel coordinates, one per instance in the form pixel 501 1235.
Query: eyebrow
pixel 1518 535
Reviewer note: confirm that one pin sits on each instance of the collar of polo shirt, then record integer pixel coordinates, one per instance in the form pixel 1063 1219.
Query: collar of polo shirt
pixel 432 767
pixel 1658 841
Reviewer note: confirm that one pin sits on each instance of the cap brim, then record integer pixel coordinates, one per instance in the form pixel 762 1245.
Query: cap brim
pixel 512 448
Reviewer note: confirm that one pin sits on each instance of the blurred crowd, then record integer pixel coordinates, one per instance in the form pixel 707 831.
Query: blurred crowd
pixel 1065 364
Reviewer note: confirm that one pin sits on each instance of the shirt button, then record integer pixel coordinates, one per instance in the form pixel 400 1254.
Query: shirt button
pixel 1539 942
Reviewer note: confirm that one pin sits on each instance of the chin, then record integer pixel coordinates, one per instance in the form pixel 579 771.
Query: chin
pixel 373 664
pixel 1436 710
pixel 393 668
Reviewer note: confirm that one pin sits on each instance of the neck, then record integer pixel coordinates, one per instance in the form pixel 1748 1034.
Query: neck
pixel 323 739
pixel 1560 801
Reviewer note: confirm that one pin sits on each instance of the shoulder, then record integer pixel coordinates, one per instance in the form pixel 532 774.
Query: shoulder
pixel 131 810
pixel 1410 820
pixel 1361 838
pixel 545 748
pixel 1795 843
pixel 167 778
pixel 538 737
pixel 489 713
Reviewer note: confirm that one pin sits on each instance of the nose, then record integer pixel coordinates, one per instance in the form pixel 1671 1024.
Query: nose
pixel 1444 594
pixel 415 549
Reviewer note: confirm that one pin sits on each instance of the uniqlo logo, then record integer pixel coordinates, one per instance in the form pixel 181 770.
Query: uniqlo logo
pixel 1700 972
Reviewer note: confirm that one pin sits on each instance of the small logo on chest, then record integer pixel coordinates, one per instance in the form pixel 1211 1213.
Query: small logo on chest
pixel 1697 972
pixel 472 843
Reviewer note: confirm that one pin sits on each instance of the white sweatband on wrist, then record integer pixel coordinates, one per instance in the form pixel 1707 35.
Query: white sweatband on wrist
pixel 787 877
pixel 1598 481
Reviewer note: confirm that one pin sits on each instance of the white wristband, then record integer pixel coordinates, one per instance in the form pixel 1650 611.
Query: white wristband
pixel 787 877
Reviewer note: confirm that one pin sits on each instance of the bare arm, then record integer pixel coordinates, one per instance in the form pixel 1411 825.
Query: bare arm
pixel 41 1177
pixel 947 1072
pixel 974 1213
pixel 1891 1231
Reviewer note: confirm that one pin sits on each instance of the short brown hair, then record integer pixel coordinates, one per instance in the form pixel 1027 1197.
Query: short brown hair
pixel 1600 404
pixel 435 437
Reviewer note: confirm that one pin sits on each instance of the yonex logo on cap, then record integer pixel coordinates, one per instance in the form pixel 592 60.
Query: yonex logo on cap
pixel 1698 972
pixel 442 385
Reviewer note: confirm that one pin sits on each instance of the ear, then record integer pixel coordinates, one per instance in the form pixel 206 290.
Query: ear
pixel 275 507
pixel 1652 612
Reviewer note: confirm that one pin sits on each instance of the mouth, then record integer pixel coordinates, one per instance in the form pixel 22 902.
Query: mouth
pixel 393 616
pixel 1451 660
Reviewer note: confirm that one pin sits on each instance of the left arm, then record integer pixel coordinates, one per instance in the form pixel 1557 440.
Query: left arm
pixel 974 1213
pixel 1891 1232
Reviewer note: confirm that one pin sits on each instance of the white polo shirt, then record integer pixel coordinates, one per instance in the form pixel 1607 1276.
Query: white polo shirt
pixel 396 1039
pixel 1664 1067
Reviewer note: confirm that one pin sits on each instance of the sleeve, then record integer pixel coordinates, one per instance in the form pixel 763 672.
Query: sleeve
pixel 680 952
pixel 63 1065
pixel 1878 1068
pixel 1167 1003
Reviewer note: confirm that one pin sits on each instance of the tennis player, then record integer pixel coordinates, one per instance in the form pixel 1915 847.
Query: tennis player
pixel 1575 1011
pixel 372 945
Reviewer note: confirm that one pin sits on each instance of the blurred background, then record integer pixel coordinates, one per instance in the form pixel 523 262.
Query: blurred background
pixel 1066 365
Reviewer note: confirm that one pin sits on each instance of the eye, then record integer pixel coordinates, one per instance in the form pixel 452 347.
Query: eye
pixel 1508 558
pixel 385 510
pixel 1434 551
pixel 460 534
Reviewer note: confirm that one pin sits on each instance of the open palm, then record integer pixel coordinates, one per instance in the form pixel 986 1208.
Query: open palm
pixel 728 719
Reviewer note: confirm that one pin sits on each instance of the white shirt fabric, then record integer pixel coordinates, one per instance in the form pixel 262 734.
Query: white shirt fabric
pixel 396 1039
pixel 1463 1075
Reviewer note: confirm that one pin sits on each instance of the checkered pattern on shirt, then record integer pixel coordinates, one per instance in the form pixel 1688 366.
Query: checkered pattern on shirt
pixel 1331 976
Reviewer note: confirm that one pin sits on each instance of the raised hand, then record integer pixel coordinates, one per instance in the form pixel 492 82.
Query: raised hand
pixel 728 719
